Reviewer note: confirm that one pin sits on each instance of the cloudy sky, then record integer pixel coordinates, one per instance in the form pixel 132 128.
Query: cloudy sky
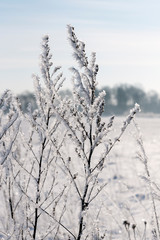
pixel 125 34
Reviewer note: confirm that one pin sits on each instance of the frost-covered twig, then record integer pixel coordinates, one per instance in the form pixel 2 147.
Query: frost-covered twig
pixel 156 230
pixel 117 139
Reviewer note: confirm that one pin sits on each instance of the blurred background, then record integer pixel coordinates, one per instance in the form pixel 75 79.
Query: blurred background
pixel 125 34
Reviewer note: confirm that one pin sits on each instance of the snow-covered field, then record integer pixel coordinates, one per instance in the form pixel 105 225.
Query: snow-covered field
pixel 127 188
pixel 126 196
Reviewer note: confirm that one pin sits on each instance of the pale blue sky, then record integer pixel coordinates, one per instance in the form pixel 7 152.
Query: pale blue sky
pixel 125 34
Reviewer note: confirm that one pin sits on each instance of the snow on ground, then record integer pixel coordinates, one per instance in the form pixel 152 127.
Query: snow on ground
pixel 127 189
pixel 126 196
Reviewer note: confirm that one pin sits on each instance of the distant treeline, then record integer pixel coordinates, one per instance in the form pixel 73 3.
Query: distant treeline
pixel 119 99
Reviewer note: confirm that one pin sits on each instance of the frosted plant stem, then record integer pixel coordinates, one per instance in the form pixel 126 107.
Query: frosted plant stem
pixel 144 234
pixel 91 148
pixel 145 161
pixel 60 224
pixel 38 190
pixel 10 200
pixel 125 125
pixel 84 205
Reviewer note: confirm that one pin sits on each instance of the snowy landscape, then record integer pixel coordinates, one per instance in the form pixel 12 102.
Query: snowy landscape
pixel 67 172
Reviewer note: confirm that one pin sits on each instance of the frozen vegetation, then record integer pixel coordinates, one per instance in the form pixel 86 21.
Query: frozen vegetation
pixel 69 173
